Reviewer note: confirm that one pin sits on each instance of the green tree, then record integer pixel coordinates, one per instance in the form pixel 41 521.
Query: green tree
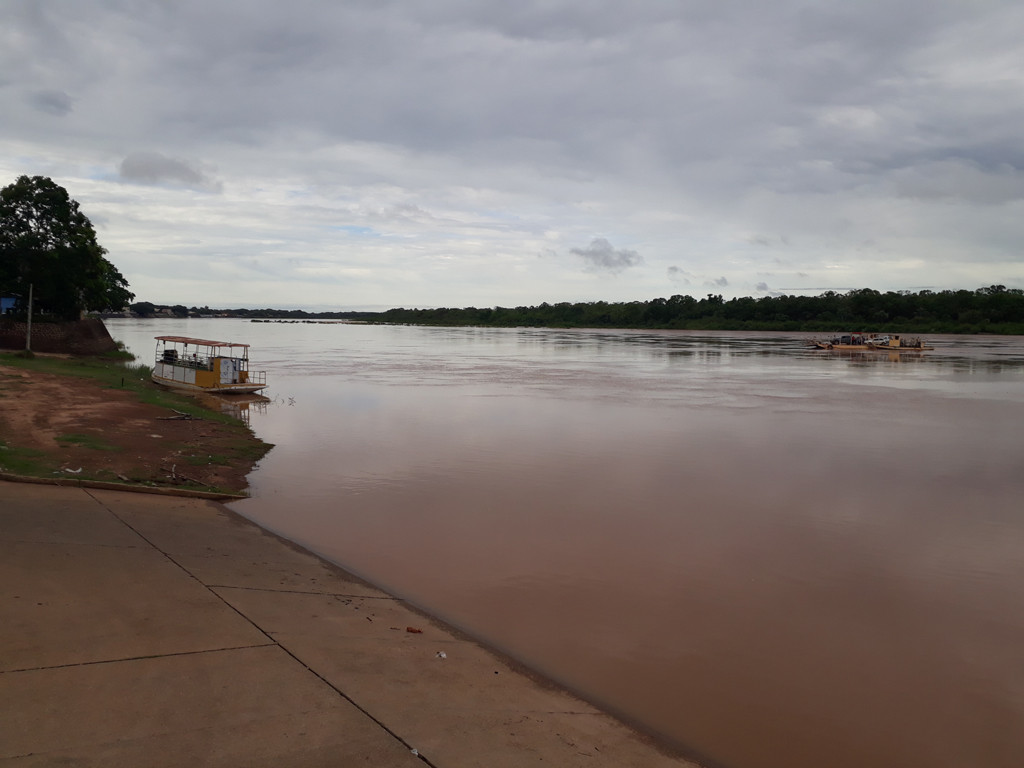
pixel 46 241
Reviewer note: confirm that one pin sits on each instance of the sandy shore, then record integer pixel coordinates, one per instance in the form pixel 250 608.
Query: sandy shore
pixel 149 630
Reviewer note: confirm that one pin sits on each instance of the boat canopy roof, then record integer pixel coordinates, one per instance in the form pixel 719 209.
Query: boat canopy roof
pixel 199 342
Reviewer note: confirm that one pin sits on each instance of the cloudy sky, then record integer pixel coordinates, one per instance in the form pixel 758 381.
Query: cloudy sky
pixel 378 153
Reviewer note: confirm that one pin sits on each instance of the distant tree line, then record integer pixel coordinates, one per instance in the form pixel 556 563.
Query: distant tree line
pixel 148 309
pixel 995 309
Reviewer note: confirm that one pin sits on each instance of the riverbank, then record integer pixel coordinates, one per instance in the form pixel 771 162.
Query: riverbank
pixel 94 419
pixel 146 630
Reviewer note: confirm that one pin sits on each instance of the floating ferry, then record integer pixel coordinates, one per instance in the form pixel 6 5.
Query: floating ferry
pixel 201 365
pixel 852 341
pixel 863 342
pixel 897 343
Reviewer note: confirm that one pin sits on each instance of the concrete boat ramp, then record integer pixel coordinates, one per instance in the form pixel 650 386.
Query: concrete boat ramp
pixel 143 630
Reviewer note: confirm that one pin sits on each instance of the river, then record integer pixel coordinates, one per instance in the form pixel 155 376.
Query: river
pixel 772 556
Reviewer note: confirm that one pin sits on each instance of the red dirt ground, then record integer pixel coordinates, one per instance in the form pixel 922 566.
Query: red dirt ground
pixel 123 439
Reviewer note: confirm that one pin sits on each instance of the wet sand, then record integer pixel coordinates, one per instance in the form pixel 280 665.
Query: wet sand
pixel 151 630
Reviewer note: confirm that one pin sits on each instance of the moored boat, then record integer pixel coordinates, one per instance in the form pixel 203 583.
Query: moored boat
pixel 201 365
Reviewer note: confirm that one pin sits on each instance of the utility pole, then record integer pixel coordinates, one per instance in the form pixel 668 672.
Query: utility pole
pixel 28 323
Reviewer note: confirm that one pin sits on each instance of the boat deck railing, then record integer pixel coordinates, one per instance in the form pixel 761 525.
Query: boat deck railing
pixel 188 361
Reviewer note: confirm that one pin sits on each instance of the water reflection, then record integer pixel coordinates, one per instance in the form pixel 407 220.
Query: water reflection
pixel 240 406
pixel 773 555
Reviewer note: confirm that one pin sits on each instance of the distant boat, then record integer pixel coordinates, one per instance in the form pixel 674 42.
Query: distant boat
pixel 875 342
pixel 201 365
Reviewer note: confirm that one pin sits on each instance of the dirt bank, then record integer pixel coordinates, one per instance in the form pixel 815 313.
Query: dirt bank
pixel 88 336
pixel 68 426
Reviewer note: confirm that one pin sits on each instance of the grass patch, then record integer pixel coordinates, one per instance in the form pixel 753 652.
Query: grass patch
pixel 114 372
pixel 85 441
pixel 107 370
pixel 121 354
pixel 253 451
pixel 213 458
pixel 240 450
pixel 24 461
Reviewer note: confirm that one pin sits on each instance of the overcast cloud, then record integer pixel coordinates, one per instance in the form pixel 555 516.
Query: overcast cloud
pixel 600 255
pixel 154 168
pixel 400 153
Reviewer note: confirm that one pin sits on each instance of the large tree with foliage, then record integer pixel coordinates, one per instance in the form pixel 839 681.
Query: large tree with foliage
pixel 46 241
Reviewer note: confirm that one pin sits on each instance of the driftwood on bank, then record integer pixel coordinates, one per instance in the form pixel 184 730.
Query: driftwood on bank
pixel 180 417
pixel 177 477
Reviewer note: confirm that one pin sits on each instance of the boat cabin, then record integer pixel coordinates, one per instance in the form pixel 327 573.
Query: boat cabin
pixel 203 365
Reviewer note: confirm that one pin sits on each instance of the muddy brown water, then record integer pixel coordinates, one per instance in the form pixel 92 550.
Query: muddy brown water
pixel 771 556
